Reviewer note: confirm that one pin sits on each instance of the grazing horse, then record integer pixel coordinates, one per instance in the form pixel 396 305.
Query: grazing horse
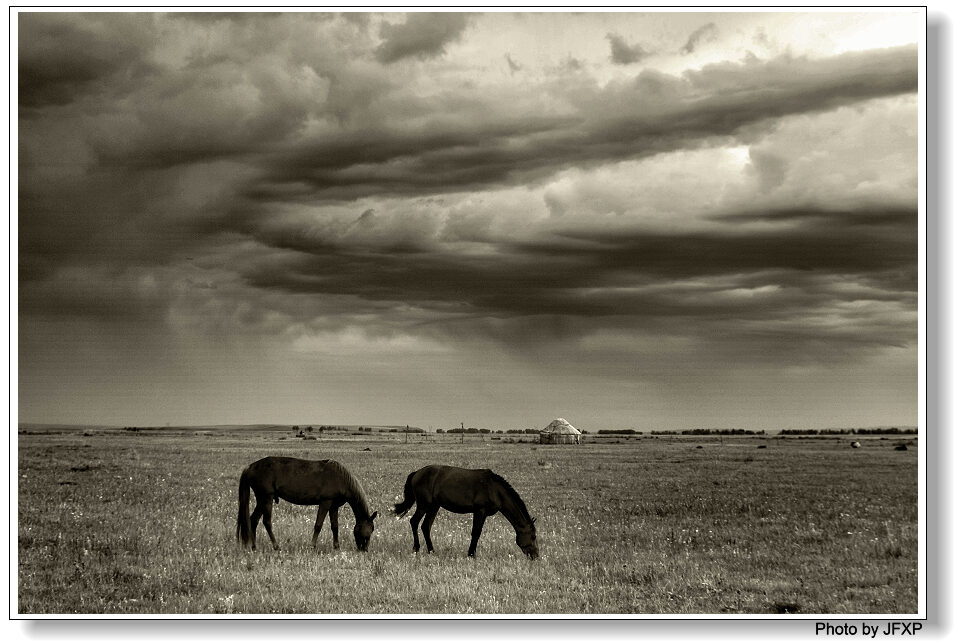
pixel 480 492
pixel 326 483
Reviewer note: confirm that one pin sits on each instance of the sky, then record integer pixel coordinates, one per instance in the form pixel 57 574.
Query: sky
pixel 647 220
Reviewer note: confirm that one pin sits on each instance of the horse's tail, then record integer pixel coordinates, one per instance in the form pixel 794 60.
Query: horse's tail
pixel 243 518
pixel 404 506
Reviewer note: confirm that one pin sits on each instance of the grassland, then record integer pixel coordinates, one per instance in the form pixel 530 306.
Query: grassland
pixel 114 522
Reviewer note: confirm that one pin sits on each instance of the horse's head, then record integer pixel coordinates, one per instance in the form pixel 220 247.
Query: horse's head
pixel 362 532
pixel 525 538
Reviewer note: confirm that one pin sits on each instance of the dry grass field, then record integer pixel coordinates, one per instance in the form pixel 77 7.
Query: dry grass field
pixel 115 522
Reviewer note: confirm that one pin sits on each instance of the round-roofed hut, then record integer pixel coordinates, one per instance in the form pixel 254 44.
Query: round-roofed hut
pixel 560 432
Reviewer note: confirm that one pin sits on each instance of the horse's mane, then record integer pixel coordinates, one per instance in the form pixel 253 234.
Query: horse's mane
pixel 514 496
pixel 352 486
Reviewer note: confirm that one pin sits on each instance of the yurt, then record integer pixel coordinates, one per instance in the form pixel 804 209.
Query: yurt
pixel 560 432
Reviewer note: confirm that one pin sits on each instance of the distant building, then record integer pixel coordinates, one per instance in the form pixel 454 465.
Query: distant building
pixel 560 432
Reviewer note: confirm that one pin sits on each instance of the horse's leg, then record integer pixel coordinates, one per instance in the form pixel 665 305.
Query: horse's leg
pixel 322 510
pixel 419 512
pixel 268 510
pixel 426 526
pixel 478 522
pixel 255 517
pixel 333 512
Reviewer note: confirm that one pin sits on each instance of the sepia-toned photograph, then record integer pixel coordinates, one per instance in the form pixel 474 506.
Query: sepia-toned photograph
pixel 438 313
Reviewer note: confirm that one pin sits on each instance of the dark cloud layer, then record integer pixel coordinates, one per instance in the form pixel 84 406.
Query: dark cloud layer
pixel 62 60
pixel 627 278
pixel 295 177
pixel 653 114
pixel 451 151
pixel 455 140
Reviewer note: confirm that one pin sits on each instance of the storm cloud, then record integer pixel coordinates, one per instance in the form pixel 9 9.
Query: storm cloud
pixel 623 53
pixel 421 35
pixel 289 186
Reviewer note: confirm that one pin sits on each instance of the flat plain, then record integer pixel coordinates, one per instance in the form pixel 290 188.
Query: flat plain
pixel 143 522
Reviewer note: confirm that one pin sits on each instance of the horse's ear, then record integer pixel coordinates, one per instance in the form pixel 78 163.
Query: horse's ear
pixel 374 514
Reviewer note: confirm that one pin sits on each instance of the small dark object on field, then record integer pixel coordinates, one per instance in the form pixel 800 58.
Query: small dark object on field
pixel 762 447
pixel 786 607
pixel 854 444
pixel 480 492
pixel 366 449
pixel 901 447
pixel 80 468
pixel 698 446
pixel 326 483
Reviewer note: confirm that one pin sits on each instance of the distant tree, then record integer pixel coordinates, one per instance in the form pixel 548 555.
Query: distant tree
pixel 295 428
